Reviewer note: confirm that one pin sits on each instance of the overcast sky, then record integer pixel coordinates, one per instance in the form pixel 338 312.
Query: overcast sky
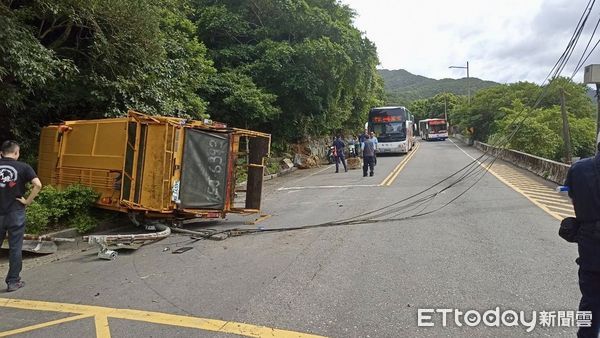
pixel 503 40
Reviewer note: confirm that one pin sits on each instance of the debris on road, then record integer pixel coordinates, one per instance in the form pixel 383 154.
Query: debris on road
pixel 108 243
pixel 354 163
pixel 40 244
pixel 182 250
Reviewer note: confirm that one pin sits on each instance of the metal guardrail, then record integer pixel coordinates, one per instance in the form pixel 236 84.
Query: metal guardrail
pixel 550 170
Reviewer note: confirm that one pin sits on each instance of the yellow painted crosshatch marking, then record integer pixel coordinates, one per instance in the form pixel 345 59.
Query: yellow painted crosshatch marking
pixel 102 315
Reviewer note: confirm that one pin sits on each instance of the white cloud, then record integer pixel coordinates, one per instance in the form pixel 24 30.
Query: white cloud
pixel 504 41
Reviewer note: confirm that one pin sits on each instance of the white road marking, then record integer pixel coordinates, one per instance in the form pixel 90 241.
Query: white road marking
pixel 329 166
pixel 328 187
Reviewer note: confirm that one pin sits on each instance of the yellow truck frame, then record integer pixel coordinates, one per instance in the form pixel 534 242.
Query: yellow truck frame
pixel 155 166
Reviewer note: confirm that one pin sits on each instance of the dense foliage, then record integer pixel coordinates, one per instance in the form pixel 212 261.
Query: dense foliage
pixel 495 112
pixel 68 206
pixel 295 69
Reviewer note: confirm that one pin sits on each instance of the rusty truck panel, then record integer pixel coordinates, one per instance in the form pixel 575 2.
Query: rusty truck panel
pixel 158 166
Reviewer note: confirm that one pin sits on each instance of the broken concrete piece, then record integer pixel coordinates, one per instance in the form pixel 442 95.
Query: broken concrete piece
pixel 354 163
pixel 287 163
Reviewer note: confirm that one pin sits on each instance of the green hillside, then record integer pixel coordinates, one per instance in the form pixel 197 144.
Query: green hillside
pixel 402 87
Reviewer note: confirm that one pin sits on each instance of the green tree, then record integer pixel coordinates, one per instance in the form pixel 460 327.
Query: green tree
pixel 80 59
pixel 306 55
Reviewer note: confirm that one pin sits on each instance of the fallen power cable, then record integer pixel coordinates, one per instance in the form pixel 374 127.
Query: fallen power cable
pixel 475 170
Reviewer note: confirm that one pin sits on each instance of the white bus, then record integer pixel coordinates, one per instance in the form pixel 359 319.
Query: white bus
pixel 433 129
pixel 394 129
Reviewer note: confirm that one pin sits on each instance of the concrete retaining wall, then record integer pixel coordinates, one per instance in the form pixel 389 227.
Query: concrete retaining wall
pixel 550 170
pixel 463 139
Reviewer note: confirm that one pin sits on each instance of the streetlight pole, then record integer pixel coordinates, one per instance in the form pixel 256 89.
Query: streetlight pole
pixel 468 81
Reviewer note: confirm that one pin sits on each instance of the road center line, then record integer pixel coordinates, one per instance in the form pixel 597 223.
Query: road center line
pixel 392 175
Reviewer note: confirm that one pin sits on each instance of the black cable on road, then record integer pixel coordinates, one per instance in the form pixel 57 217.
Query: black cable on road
pixel 475 169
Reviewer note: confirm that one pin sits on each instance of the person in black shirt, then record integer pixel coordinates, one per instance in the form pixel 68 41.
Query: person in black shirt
pixel 339 146
pixel 583 181
pixel 14 176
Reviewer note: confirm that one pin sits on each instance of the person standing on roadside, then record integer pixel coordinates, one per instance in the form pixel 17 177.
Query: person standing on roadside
pixel 583 182
pixel 368 157
pixel 338 146
pixel 14 176
pixel 374 140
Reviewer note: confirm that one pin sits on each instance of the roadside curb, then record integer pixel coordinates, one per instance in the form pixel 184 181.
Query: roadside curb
pixel 281 173
pixel 65 233
pixel 271 176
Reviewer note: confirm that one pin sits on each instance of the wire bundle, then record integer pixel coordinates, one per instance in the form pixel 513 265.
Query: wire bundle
pixel 417 205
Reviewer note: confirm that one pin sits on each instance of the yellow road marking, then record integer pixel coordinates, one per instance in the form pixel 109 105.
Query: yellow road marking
pixel 260 219
pixel 565 206
pixel 215 325
pixel 543 197
pixel 403 165
pixel 549 193
pixel 43 325
pixel 553 201
pixel 102 328
pixel 559 205
pixel 392 176
pixel 546 191
pixel 514 187
pixel 393 171
pixel 560 209
pixel 513 176
pixel 540 205
pixel 531 185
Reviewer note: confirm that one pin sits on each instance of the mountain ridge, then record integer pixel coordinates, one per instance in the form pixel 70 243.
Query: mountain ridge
pixel 402 87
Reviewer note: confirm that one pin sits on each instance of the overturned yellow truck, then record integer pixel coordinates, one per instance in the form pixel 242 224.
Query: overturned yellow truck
pixel 157 167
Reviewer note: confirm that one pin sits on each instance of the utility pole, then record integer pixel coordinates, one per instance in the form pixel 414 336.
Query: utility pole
pixel 445 104
pixel 468 86
pixel 566 134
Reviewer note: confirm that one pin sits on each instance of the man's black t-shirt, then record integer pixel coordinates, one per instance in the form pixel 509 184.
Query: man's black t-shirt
pixel 14 175
pixel 583 180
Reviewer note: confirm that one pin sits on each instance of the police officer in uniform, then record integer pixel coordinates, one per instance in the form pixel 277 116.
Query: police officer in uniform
pixel 583 181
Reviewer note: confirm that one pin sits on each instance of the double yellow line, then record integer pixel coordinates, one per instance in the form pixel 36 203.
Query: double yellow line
pixel 392 176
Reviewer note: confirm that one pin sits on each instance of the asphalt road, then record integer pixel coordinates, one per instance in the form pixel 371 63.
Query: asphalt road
pixel 489 248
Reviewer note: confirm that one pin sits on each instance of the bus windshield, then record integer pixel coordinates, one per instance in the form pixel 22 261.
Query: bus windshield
pixel 389 132
pixel 436 128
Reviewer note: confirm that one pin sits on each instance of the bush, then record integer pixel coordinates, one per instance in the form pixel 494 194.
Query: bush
pixel 54 201
pixel 80 197
pixel 68 206
pixel 273 166
pixel 38 217
pixel 83 222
